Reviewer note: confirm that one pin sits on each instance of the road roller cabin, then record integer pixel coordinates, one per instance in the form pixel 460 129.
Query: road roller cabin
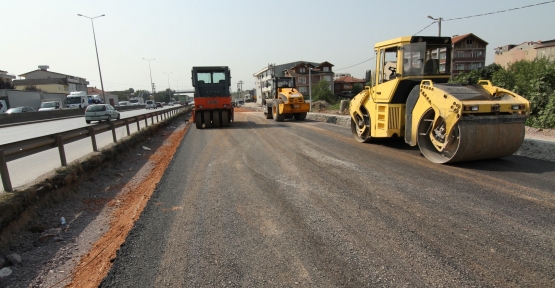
pixel 212 98
pixel 409 97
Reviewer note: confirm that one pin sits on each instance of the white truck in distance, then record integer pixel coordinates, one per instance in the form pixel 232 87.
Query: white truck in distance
pixel 78 99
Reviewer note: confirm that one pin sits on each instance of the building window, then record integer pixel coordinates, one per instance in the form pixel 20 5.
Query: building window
pixel 459 67
pixel 346 86
pixel 476 54
pixel 442 56
pixel 303 70
pixel 327 78
pixel 442 68
pixel 472 66
pixel 478 65
pixel 460 54
pixel 326 69
pixel 302 89
pixel 468 41
pixel 302 80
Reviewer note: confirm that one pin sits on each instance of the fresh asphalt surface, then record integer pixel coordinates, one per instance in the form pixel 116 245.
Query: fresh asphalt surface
pixel 263 203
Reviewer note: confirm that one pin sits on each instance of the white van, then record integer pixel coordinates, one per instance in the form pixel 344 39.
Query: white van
pixel 150 104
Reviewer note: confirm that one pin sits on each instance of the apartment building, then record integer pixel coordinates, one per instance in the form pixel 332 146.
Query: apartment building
pixel 469 53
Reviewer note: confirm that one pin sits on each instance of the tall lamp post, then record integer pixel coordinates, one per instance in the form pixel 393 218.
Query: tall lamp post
pixel 96 48
pixel 438 22
pixel 151 84
pixel 310 88
pixel 168 79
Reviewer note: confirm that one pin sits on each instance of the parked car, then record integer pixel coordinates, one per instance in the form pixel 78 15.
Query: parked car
pixel 150 104
pixel 99 112
pixel 124 103
pixel 20 109
pixel 170 103
pixel 158 104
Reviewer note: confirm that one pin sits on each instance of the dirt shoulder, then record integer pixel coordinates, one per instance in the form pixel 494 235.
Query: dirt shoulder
pixel 99 211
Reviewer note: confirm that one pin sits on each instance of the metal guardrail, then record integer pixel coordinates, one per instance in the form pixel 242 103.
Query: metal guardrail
pixel 24 148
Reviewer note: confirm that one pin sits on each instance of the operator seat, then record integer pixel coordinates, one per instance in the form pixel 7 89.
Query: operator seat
pixel 431 67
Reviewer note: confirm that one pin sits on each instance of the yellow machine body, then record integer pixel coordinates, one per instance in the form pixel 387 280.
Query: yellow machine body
pixel 287 101
pixel 410 97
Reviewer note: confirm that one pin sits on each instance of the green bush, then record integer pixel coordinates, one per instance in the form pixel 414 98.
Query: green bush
pixel 533 80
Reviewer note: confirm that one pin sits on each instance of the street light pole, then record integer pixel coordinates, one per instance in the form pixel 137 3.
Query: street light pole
pixel 177 81
pixel 438 22
pixel 97 59
pixel 168 79
pixel 151 84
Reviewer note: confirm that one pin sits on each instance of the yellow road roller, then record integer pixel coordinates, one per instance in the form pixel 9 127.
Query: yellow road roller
pixel 409 97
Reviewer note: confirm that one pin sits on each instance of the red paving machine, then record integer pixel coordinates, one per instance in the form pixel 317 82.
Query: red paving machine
pixel 213 107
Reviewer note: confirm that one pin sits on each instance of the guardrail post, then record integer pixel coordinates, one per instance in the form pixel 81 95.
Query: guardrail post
pixel 146 121
pixel 113 128
pixel 127 126
pixel 93 139
pixel 138 126
pixel 4 173
pixel 60 143
pixel 157 120
pixel 152 118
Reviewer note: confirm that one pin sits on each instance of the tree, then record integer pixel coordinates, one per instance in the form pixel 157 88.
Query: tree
pixel 535 81
pixel 473 76
pixel 32 88
pixel 357 88
pixel 131 90
pixel 5 84
pixel 321 92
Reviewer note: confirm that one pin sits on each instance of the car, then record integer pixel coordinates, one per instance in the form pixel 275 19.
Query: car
pixel 158 104
pixel 150 104
pixel 170 103
pixel 20 110
pixel 124 103
pixel 99 112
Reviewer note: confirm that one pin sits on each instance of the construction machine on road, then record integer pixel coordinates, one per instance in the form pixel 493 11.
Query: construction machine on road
pixel 213 107
pixel 286 101
pixel 409 97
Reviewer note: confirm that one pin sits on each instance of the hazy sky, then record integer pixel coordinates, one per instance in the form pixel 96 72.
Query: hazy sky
pixel 244 35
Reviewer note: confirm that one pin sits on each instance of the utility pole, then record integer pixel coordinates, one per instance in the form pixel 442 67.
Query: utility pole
pixel 169 87
pixel 151 84
pixel 240 88
pixel 438 22
pixel 96 49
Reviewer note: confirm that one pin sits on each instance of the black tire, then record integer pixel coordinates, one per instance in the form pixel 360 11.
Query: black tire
pixel 225 118
pixel 206 119
pixel 88 121
pixel 300 116
pixel 198 119
pixel 216 116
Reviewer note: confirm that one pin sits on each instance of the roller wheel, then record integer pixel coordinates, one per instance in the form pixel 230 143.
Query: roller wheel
pixel 300 116
pixel 216 118
pixel 275 113
pixel 225 118
pixel 470 141
pixel 206 119
pixel 358 134
pixel 198 119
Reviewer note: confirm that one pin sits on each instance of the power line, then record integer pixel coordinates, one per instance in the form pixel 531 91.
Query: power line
pixel 425 28
pixel 501 11
pixel 359 63
pixel 490 13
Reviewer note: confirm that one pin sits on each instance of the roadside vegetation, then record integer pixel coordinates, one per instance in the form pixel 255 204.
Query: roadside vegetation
pixel 533 80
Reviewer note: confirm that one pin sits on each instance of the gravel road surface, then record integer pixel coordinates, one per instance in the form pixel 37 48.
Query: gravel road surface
pixel 302 204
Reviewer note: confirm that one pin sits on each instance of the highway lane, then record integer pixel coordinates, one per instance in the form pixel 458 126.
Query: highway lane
pixel 28 169
pixel 302 204
pixel 21 132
